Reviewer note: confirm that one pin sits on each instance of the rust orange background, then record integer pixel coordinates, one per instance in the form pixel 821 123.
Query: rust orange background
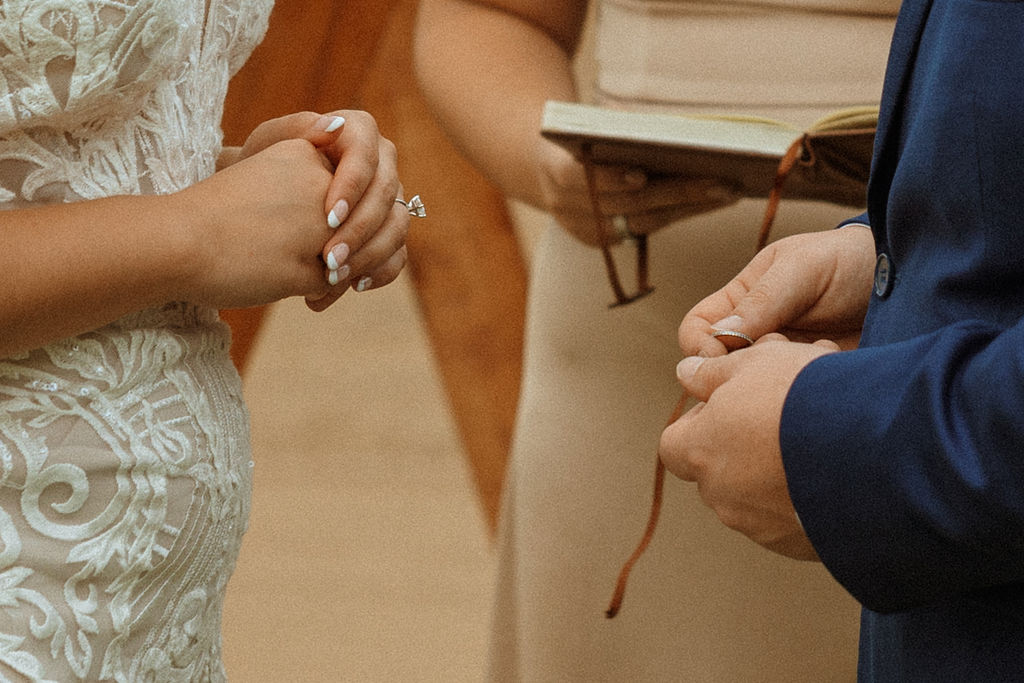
pixel 464 259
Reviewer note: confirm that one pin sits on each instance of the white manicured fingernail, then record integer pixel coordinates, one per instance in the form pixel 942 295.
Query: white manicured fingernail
pixel 336 276
pixel 329 124
pixel 337 255
pixel 338 214
pixel 364 283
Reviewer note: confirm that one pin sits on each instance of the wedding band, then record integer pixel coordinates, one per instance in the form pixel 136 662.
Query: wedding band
pixel 414 206
pixel 733 333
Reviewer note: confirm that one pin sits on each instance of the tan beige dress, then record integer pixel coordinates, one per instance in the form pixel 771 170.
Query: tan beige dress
pixel 704 603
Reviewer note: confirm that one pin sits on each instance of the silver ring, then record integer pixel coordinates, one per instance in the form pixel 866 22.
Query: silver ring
pixel 414 206
pixel 733 333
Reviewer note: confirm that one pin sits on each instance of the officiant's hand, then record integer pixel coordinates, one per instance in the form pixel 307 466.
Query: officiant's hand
pixel 629 201
pixel 808 287
pixel 367 250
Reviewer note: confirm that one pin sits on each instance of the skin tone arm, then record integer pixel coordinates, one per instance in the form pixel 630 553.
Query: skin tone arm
pixel 253 233
pixel 812 286
pixel 487 67
pixel 488 86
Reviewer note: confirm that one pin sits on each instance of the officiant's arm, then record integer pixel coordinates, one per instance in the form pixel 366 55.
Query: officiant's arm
pixel 487 67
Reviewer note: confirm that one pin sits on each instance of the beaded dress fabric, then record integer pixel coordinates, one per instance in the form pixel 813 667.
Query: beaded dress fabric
pixel 125 469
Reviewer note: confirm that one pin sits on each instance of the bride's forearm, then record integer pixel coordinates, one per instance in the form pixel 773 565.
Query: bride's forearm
pixel 70 268
pixel 248 235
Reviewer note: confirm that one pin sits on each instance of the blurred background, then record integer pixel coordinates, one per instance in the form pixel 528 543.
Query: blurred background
pixel 380 427
pixel 368 555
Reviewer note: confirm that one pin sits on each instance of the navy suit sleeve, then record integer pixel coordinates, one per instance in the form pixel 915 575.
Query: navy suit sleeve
pixel 856 220
pixel 905 463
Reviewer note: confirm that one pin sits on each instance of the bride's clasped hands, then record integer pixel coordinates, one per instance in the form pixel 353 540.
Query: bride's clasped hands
pixel 306 207
pixel 321 191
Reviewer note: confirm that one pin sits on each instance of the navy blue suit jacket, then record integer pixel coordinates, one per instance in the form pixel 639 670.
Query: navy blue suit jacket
pixel 905 458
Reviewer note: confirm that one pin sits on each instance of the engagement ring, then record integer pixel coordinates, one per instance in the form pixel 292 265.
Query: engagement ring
pixel 414 206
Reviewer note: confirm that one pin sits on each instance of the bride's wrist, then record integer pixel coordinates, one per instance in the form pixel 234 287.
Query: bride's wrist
pixel 186 230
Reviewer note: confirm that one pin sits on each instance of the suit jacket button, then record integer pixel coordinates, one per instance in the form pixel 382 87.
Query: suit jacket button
pixel 883 275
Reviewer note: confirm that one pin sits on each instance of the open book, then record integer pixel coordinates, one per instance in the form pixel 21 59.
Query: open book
pixel 830 160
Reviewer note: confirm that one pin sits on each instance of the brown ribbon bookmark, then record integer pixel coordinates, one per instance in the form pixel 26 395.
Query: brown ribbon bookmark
pixel 794 153
pixel 652 522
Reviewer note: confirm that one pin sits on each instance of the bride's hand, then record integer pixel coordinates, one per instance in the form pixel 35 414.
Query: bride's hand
pixel 629 200
pixel 370 241
pixel 254 231
pixel 368 248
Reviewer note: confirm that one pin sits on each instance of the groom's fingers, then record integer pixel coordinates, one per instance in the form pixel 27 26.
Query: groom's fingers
pixel 676 444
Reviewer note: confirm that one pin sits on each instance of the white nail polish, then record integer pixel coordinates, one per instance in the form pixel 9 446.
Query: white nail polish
pixel 337 255
pixel 332 278
pixel 364 283
pixel 328 123
pixel 338 214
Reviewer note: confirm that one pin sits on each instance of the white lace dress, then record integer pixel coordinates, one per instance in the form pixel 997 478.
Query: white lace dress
pixel 125 468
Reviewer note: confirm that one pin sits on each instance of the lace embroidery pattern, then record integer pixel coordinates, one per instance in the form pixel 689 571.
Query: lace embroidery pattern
pixel 125 469
pixel 102 97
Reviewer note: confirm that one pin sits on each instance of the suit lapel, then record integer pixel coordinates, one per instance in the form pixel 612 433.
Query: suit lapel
pixel 903 52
